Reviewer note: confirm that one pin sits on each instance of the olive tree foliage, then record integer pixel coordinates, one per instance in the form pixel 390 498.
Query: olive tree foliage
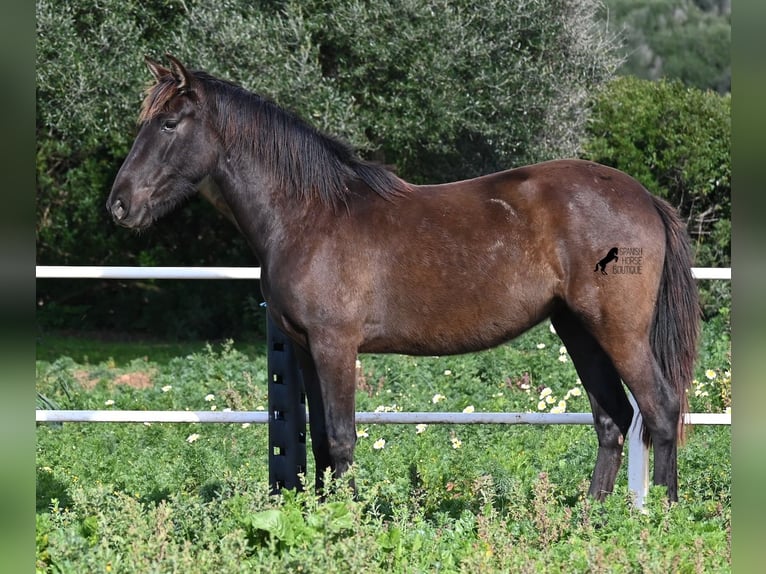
pixel 440 90
pixel 445 90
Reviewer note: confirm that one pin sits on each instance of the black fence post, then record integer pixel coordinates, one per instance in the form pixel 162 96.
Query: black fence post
pixel 287 412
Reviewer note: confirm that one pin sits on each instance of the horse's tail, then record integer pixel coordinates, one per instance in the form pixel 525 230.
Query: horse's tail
pixel 676 325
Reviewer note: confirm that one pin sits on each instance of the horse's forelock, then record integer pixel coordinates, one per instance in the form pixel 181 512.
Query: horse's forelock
pixel 156 98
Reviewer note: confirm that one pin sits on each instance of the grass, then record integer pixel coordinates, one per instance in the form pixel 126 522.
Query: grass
pixel 444 498
pixel 96 347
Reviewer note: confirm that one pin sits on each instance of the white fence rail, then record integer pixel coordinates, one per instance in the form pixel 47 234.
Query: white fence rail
pixel 112 272
pixel 638 455
pixel 367 418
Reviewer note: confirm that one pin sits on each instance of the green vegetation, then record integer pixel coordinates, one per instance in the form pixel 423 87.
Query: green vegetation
pixel 120 349
pixel 442 91
pixel 194 498
pixel 688 40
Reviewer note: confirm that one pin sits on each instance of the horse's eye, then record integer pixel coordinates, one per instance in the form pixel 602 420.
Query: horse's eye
pixel 169 125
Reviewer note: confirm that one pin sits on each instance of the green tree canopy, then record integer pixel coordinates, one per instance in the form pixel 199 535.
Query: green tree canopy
pixel 688 40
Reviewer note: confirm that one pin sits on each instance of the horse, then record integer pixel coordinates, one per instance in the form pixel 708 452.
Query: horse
pixel 354 259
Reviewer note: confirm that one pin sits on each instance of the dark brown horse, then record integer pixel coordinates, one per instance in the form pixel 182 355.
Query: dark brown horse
pixel 354 259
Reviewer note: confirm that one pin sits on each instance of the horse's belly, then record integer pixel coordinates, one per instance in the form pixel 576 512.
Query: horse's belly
pixel 439 344
pixel 465 328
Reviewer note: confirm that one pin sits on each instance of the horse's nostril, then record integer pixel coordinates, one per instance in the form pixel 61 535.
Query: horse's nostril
pixel 118 209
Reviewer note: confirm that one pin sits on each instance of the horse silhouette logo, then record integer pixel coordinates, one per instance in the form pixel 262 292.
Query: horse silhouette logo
pixel 611 256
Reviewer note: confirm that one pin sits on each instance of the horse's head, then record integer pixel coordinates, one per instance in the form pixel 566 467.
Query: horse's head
pixel 176 147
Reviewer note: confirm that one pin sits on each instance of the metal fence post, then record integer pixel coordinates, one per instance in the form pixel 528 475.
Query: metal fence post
pixel 638 458
pixel 287 412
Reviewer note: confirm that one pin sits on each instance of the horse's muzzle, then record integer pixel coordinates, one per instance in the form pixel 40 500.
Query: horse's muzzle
pixel 128 215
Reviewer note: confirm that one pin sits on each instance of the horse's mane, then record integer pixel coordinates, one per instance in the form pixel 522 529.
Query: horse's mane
pixel 305 162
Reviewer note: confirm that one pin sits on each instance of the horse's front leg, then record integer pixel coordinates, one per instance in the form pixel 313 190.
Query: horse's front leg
pixel 319 444
pixel 334 361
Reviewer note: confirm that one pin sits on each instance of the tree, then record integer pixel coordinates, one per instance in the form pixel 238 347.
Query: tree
pixel 682 39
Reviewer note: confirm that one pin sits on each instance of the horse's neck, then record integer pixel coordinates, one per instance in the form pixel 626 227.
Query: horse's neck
pixel 212 193
pixel 264 215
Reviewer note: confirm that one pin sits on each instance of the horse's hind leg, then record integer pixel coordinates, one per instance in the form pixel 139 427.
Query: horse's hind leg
pixel 660 408
pixel 632 356
pixel 612 412
pixel 611 437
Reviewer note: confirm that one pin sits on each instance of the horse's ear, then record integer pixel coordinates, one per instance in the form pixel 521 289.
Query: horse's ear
pixel 182 76
pixel 158 70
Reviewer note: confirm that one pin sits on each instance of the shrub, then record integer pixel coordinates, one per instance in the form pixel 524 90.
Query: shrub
pixel 685 39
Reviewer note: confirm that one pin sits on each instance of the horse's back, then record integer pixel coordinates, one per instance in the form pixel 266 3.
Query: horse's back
pixel 570 207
